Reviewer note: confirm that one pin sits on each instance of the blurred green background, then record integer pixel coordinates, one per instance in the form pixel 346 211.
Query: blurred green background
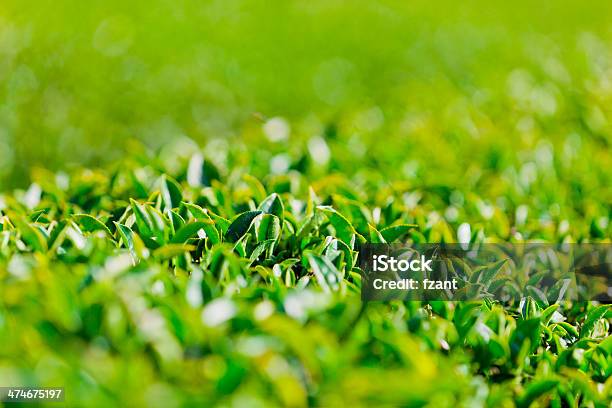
pixel 441 81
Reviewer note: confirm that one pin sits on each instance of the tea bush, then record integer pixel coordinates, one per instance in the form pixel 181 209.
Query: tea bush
pixel 181 283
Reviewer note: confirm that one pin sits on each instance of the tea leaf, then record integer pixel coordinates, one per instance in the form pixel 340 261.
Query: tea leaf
pixel 240 225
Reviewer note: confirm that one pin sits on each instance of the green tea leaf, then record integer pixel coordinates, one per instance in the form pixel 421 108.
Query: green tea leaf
pixel 395 232
pixel 240 225
pixel 375 236
pixel 176 220
pixel 143 219
pixel 592 317
pixel 32 236
pixel 170 193
pixel 188 231
pixel 210 228
pixel 325 272
pixel 269 228
pixel 344 229
pixel 273 205
pixel 569 329
pixel 527 331
pixel 91 224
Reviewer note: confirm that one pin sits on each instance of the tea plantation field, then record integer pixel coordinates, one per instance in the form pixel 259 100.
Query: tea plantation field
pixel 184 189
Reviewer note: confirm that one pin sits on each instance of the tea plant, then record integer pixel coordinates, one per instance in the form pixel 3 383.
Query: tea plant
pixel 139 285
